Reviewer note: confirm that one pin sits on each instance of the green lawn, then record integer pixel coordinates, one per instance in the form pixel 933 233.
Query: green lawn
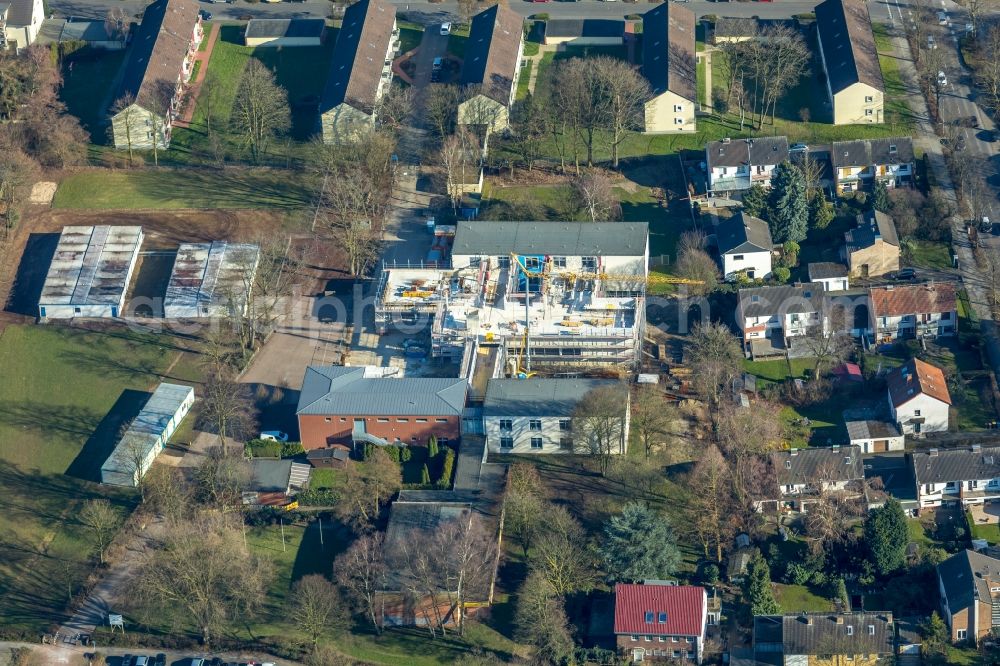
pixel 87 78
pixel 524 80
pixel 989 532
pixel 795 598
pixel 410 35
pixel 700 74
pixel 165 188
pixel 929 254
pixel 895 93
pixel 65 394
pixel 917 532
pixel 777 370
pixel 457 39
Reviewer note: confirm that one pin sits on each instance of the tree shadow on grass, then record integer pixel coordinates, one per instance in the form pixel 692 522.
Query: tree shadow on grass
pixel 100 444
pixel 314 557
pixel 31 272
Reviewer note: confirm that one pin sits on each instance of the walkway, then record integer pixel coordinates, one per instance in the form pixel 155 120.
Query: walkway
pixel 187 114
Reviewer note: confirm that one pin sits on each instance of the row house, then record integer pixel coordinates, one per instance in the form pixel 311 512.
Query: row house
pixel 491 68
pixel 860 639
pixel 804 475
pixel 849 58
pixel 160 63
pixel 20 21
pixel 913 311
pixel 918 398
pixel 669 65
pixel 661 621
pixel 771 316
pixel 968 475
pixel 733 165
pixel 969 586
pixel 862 163
pixel 871 249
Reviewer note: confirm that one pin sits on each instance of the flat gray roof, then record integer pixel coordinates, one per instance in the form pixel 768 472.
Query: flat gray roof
pixel 575 239
pixel 210 274
pixel 540 397
pixel 91 266
pixel 285 28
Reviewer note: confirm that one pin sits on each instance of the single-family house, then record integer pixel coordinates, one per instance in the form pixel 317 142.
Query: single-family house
pixel 20 21
pixel 918 397
pixel 902 312
pixel 736 164
pixel 872 248
pixel 771 316
pixel 874 435
pixel 536 415
pixel 970 475
pixel 861 163
pixel 830 274
pixel 969 583
pixel 804 475
pixel 284 32
pixel 661 621
pixel 584 32
pixel 669 65
pixel 352 405
pixel 833 639
pixel 491 67
pixel 360 70
pixel 745 245
pixel 847 52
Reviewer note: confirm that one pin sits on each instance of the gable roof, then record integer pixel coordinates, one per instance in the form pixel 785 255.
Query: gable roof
pixel 823 633
pixel 916 377
pixel 805 466
pixel 872 226
pixel 848 44
pixel 865 152
pixel 821 270
pixel 966 464
pixel 285 28
pixel 902 300
pixel 737 152
pixel 668 50
pixel 743 233
pixel 585 28
pixel 684 605
pixel 159 46
pixel 966 576
pixel 492 52
pixel 344 390
pixel 871 429
pixel 787 298
pixel 20 12
pixel 359 56
pixel 574 239
pixel 540 397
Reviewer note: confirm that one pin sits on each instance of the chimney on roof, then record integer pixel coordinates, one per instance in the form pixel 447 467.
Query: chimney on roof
pixel 809 621
pixel 976 447
pixel 932 453
pixel 840 619
pixel 726 141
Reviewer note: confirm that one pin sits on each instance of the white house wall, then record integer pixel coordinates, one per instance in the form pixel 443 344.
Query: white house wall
pixel 758 262
pixel 933 411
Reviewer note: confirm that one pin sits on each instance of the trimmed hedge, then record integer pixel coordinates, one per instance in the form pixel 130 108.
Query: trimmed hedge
pixel 265 448
pixel 447 467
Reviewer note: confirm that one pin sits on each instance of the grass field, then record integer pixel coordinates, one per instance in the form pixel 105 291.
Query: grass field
pixel 524 80
pixel 796 598
pixel 410 35
pixel 65 394
pixel 87 78
pixel 895 92
pixel 929 254
pixel 164 188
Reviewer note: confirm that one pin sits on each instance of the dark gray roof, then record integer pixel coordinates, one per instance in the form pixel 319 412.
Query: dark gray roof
pixel 896 474
pixel 789 298
pixel 967 576
pixel 20 12
pixel 668 50
pixel 866 152
pixel 285 28
pixel 574 239
pixel 271 476
pixel 737 152
pixel 836 463
pixel 491 53
pixel 585 28
pixel 956 464
pixel 848 43
pixel 358 56
pixel 872 225
pixel 819 270
pixel 743 233
pixel 824 633
pixel 871 429
pixel 87 31
pixel 345 390
pixel 540 397
pixel 726 26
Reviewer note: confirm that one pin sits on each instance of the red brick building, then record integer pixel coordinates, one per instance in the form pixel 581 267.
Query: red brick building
pixel 344 405
pixel 660 621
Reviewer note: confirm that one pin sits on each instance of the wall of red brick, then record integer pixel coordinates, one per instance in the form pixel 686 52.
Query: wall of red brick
pixel 626 644
pixel 319 431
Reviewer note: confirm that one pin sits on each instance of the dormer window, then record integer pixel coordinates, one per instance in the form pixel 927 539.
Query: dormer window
pixel 649 617
pixel 788 464
pixel 662 618
pixel 892 149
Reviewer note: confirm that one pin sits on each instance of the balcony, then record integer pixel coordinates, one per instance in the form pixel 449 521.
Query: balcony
pixel 730 183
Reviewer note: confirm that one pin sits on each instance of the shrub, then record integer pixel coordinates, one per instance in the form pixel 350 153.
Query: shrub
pixel 260 448
pixel 405 454
pixel 540 17
pixel 860 198
pixel 633 17
pixel 432 447
pixel 709 573
pixel 781 273
pixel 393 452
pixel 447 467
pixel 320 497
pixel 796 574
pixel 292 449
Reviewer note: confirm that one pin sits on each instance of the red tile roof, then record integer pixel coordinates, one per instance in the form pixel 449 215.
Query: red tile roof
pixel 915 377
pixel 683 604
pixel 898 301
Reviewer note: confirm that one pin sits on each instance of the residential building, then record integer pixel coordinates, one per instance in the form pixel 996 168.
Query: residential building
pixel 804 475
pixel 859 164
pixel 669 65
pixel 736 164
pixel 872 248
pixel 360 70
pixel 874 435
pixel 90 272
pixel 491 66
pixel 850 62
pixel 831 275
pixel 584 32
pixel 536 415
pixel 969 475
pixel 347 406
pixel 903 312
pixel 147 434
pixel 211 280
pixel 969 583
pixel 284 32
pixel 160 62
pixel 20 21
pixel 661 621
pixel 770 317
pixel 745 247
pixel 918 397
pixel 827 639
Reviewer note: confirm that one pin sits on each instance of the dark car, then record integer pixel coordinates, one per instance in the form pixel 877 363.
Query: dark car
pixel 988 136
pixel 127 660
pixel 904 274
pixel 205 16
pixel 160 660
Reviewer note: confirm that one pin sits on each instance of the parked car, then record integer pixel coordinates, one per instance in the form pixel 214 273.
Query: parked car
pixel 205 16
pixel 274 436
pixel 985 225
pixel 446 28
pixel 931 42
pixel 942 18
pixel 798 147
pixel 198 661
pixel 160 660
pixel 904 274
pixel 942 79
pixel 141 661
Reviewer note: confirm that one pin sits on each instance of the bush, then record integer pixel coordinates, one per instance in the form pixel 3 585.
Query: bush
pixel 447 467
pixel 540 17
pixel 860 198
pixel 709 573
pixel 781 274
pixel 291 449
pixel 321 497
pixel 405 454
pixel 796 574
pixel 260 448
pixel 432 447
pixel 393 452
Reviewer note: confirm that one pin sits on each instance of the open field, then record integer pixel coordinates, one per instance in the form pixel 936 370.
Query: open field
pixel 65 394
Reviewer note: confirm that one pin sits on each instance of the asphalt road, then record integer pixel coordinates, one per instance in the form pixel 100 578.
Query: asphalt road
pixel 426 12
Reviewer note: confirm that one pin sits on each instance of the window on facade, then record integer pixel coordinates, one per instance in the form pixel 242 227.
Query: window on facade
pixel 916 412
pixel 868 112
pixel 506 424
pixel 566 443
pixel 634 638
pixel 673 639
pixel 589 263
pixel 962 634
pixel 678 121
pixel 565 424
pixel 871 629
pixel 402 420
pixel 850 630
pixel 678 107
pixel 535 424
pixel 327 419
pixel 647 638
pixel 945 316
pixel 503 262
pixel 421 420
pixel 382 420
pixel 506 442
pixel 536 442
pixel 559 262
pixel 737 257
pixel 869 99
pixel 440 420
pixel 662 639
pixel 677 654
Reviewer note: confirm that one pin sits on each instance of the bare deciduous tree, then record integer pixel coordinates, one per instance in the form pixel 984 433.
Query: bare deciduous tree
pixel 361 570
pixel 523 504
pixel 460 161
pixel 715 359
pixel 653 418
pixel 709 502
pixel 560 553
pixel 260 111
pixel 116 24
pixel 599 424
pixel 130 117
pixel 367 488
pixel 596 195
pixel 104 519
pixel 441 108
pixel 222 479
pixel 625 93
pixel 316 606
pixel 227 407
pixel 394 107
